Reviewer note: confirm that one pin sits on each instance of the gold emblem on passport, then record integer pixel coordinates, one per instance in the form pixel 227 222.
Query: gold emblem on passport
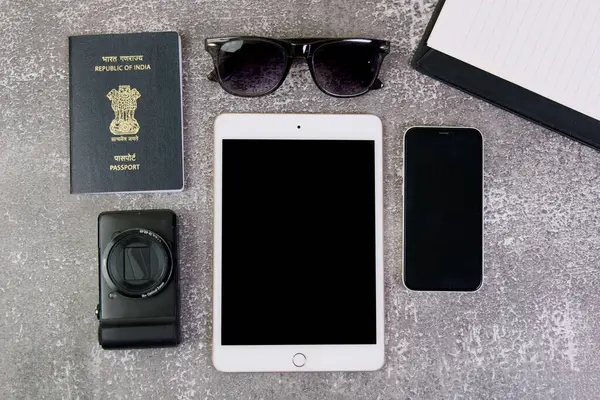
pixel 124 103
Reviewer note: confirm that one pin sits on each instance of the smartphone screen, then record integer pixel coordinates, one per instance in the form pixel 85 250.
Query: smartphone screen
pixel 443 209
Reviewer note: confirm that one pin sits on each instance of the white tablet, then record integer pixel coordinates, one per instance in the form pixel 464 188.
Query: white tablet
pixel 298 243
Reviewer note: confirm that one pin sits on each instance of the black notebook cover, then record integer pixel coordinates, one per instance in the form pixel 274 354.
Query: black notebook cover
pixel 503 93
pixel 125 113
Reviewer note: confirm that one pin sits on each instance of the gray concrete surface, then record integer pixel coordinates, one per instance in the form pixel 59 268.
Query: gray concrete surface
pixel 532 332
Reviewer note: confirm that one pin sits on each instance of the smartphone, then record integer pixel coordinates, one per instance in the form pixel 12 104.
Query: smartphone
pixel 443 209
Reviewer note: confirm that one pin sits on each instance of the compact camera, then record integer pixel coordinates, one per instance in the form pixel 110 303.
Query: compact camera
pixel 139 279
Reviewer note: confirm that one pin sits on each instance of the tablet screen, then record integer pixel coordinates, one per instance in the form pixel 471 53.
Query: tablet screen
pixel 298 242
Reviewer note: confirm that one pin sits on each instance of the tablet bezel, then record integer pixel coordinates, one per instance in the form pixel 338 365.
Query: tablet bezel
pixel 318 357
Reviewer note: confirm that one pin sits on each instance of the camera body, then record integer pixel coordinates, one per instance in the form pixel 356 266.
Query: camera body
pixel 138 279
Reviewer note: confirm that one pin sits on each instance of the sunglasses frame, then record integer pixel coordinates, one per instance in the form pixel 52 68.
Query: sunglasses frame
pixel 296 49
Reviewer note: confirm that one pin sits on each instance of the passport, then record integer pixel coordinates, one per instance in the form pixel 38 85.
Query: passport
pixel 125 113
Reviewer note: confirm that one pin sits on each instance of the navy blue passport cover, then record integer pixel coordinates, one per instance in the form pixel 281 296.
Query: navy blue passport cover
pixel 502 93
pixel 125 113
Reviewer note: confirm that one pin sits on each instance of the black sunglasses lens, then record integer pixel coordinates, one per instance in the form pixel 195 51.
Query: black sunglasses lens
pixel 346 68
pixel 251 67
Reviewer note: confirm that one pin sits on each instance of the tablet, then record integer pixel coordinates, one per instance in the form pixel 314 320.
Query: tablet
pixel 298 243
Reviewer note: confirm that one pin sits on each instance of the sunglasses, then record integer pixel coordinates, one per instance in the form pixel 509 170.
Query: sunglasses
pixel 256 66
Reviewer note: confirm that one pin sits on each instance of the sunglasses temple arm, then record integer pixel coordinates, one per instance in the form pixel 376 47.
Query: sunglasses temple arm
pixel 213 76
pixel 377 84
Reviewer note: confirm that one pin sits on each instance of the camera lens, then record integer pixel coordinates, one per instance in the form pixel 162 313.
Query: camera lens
pixel 137 263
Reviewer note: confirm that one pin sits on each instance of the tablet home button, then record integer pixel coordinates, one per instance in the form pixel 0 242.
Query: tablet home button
pixel 299 360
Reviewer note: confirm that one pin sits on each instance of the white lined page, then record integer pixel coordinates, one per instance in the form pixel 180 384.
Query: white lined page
pixel 547 46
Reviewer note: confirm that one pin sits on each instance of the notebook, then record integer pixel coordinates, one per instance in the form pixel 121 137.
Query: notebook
pixel 537 58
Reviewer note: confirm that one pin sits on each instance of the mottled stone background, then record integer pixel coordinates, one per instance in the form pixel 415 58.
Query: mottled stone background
pixel 532 332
